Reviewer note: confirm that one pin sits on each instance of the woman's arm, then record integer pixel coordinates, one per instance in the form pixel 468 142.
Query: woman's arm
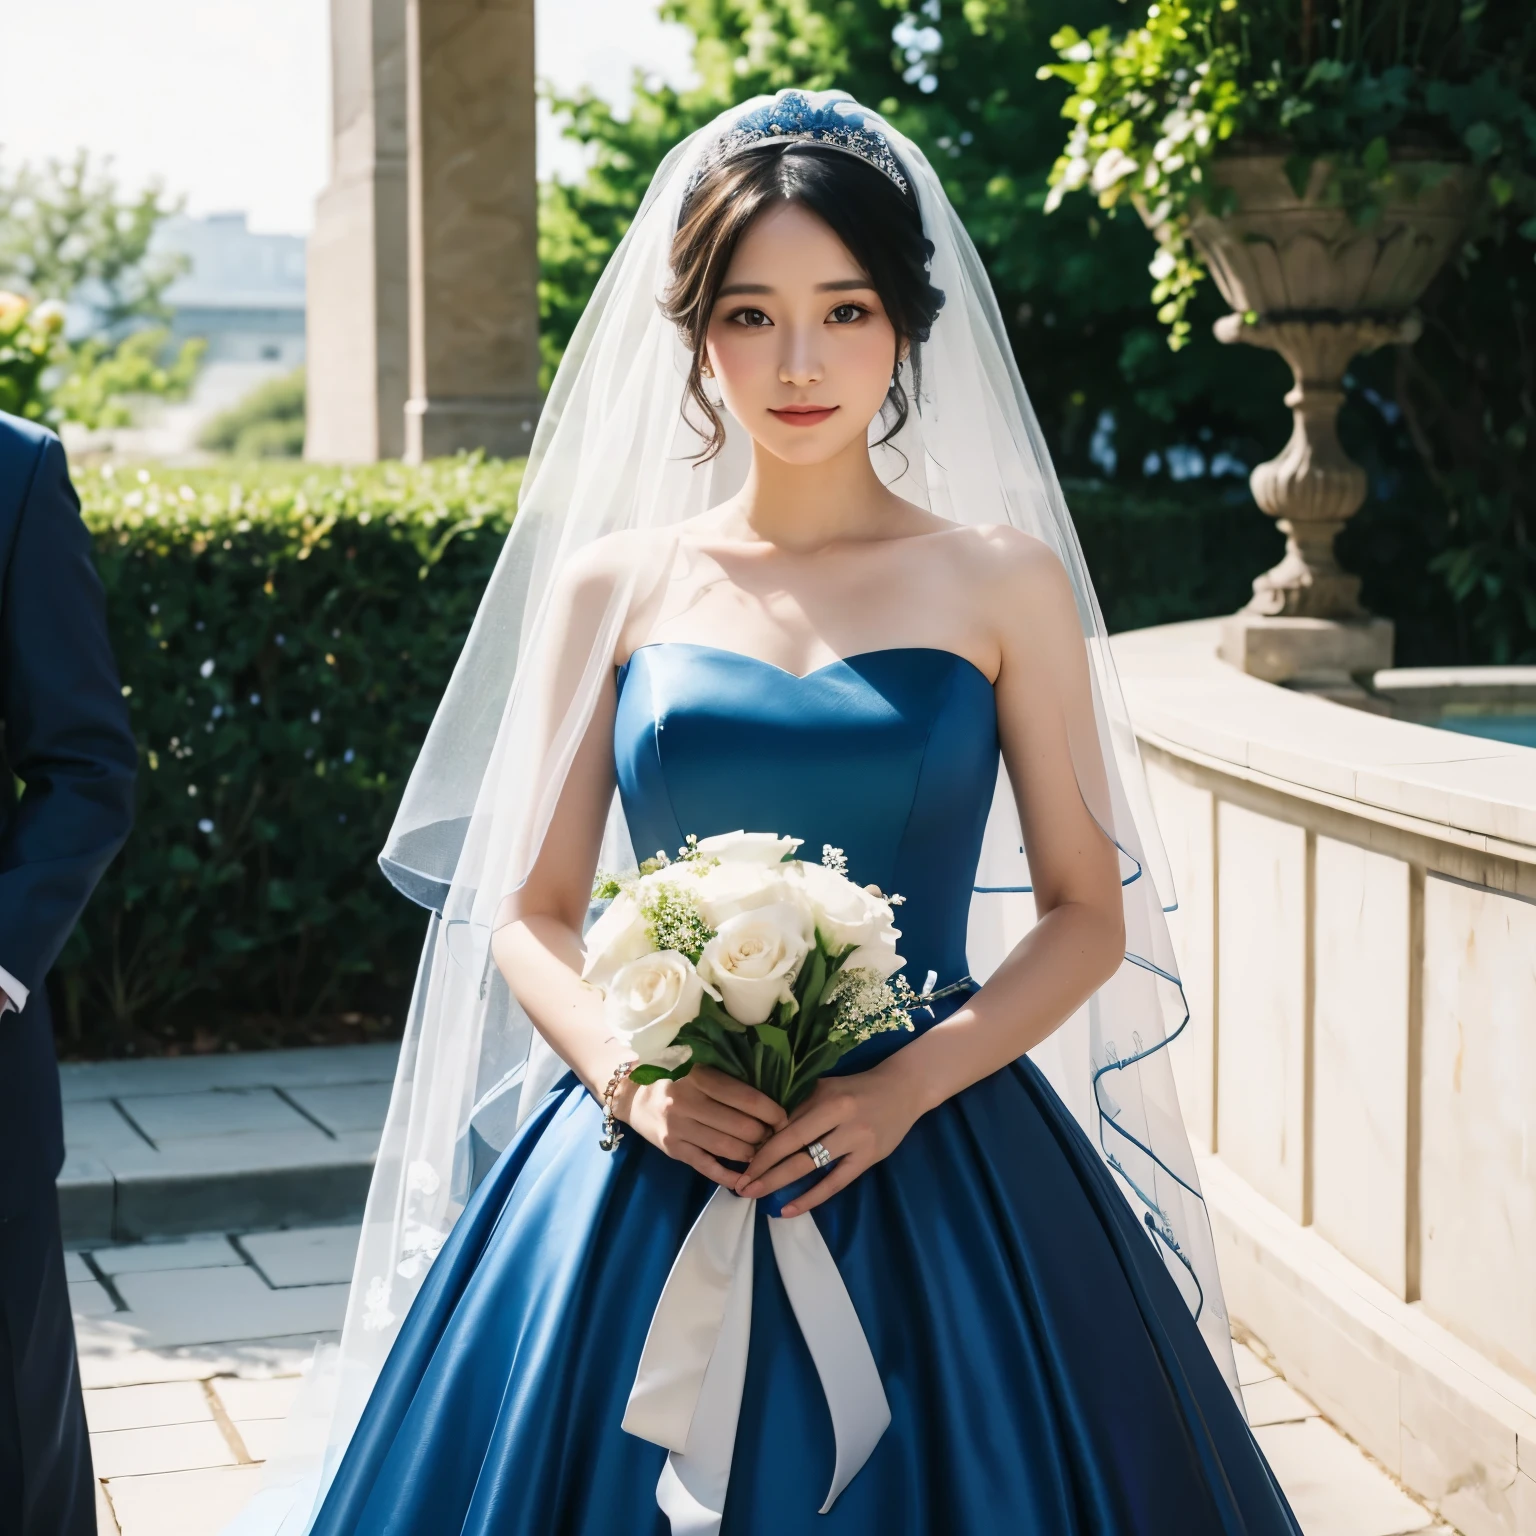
pixel 537 944
pixel 1044 710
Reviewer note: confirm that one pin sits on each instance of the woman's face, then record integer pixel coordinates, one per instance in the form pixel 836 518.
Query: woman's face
pixel 798 340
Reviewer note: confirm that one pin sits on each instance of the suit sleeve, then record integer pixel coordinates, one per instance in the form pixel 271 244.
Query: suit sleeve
pixel 67 736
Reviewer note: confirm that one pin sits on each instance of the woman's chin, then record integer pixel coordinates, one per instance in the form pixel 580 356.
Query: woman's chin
pixel 805 446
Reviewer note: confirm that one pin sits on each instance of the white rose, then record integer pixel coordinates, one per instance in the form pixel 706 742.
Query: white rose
pixel 726 890
pixel 749 847
pixel 847 913
pixel 649 1000
pixel 616 938
pixel 754 958
pixel 880 957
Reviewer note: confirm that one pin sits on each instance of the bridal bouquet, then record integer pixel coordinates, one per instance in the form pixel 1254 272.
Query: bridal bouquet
pixel 738 955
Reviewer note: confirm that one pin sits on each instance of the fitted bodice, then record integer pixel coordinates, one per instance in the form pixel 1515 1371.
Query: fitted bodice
pixel 890 755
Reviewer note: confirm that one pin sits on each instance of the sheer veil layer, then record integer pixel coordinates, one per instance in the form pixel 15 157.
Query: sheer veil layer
pixel 613 457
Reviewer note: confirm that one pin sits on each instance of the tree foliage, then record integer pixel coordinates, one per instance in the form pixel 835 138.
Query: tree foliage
pixel 69 232
pixel 70 235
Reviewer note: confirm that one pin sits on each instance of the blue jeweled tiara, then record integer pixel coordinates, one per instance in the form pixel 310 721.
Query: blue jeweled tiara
pixel 834 120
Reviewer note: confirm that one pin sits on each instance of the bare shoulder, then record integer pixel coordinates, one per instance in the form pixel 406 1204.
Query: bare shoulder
pixel 612 554
pixel 1004 564
pixel 1017 595
pixel 615 560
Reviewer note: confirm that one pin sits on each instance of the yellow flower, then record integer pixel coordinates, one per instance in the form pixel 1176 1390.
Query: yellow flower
pixel 12 308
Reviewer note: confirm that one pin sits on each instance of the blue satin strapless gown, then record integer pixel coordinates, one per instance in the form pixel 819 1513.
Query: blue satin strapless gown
pixel 1043 1374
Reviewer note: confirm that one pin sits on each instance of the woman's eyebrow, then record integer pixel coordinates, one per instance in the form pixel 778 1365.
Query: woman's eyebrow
pixel 842 285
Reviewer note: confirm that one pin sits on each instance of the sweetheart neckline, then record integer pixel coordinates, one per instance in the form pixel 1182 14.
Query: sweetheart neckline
pixel 804 677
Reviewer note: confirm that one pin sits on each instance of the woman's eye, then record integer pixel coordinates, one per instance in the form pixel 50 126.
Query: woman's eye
pixel 751 317
pixel 846 314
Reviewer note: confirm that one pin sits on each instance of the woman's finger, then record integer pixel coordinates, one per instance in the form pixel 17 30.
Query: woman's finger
pixel 733 1122
pixel 700 1160
pixel 716 1142
pixel 798 1134
pixel 839 1178
pixel 795 1166
pixel 739 1095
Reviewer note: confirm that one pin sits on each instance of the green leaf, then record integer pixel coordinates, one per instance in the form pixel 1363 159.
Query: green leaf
pixel 776 1040
pixel 647 1073
pixel 714 1013
pixel 182 860
pixel 724 1045
pixel 812 979
pixel 1484 141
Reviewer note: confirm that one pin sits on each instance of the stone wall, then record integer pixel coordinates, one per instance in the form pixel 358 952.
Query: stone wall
pixel 1357 935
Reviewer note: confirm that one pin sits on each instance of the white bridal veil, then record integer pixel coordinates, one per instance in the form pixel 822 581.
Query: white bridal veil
pixel 613 452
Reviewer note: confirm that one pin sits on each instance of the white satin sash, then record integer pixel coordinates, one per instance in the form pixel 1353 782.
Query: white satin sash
pixel 687 1391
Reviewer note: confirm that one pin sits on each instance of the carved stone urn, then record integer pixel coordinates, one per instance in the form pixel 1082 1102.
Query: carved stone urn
pixel 1308 283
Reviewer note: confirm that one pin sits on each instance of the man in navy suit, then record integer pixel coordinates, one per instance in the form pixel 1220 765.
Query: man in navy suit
pixel 67 740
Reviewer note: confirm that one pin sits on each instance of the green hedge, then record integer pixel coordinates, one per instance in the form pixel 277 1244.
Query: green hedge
pixel 285 634
pixel 1158 557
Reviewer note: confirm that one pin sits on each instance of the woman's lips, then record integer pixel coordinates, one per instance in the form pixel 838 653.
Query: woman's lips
pixel 802 415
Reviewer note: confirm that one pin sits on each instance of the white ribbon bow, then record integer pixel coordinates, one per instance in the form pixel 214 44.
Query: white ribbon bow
pixel 687 1391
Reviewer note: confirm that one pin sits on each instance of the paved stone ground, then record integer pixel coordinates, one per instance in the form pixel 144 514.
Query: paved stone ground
pixel 245 1140
pixel 191 1351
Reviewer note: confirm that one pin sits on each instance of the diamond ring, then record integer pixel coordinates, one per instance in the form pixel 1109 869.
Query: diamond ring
pixel 819 1154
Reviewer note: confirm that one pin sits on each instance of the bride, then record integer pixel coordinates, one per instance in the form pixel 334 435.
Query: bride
pixel 790 558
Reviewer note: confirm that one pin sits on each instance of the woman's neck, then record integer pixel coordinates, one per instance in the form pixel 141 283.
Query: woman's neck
pixel 803 507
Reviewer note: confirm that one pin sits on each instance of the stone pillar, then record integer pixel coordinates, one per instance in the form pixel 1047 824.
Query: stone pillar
pixel 358 340
pixel 474 306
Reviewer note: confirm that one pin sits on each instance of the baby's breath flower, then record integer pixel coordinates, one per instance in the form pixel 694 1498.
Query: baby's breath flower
pixel 868 1005
pixel 834 858
pixel 673 920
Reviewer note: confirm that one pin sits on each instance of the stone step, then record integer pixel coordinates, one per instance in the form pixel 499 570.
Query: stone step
pixel 160 1148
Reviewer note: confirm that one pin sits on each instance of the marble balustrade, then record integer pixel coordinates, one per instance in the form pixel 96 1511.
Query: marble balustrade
pixel 1356 931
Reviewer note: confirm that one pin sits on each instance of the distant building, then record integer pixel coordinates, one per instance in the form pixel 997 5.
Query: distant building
pixel 243 292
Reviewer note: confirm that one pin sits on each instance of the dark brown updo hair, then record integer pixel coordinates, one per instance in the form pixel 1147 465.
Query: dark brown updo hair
pixel 878 223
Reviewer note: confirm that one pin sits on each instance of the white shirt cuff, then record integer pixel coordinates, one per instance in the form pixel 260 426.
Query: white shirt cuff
pixel 15 993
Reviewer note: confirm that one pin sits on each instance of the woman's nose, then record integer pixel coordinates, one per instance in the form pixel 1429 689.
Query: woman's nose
pixel 800 364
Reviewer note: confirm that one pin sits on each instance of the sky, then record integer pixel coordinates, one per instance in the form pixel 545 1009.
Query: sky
pixel 227 101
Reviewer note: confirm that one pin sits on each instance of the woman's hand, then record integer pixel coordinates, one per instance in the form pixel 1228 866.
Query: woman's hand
pixel 701 1118
pixel 859 1119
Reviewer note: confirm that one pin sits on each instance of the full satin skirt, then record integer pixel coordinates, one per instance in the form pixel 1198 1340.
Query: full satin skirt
pixel 1043 1373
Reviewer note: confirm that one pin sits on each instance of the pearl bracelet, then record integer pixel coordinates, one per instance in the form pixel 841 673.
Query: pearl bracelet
pixel 613 1132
